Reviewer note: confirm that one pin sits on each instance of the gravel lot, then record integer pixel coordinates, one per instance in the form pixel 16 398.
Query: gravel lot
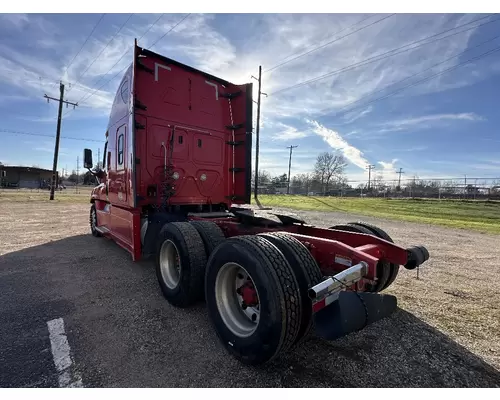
pixel 122 333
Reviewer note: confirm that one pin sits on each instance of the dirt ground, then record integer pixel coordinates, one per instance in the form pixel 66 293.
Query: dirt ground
pixel 123 333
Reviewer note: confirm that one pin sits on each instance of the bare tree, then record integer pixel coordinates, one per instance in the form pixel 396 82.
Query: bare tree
pixel 264 177
pixel 302 182
pixel 328 166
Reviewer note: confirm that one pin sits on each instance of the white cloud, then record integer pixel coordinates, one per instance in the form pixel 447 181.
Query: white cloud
pixel 17 20
pixel 337 92
pixel 388 171
pixel 197 40
pixel 356 115
pixel 428 120
pixel 337 142
pixel 289 133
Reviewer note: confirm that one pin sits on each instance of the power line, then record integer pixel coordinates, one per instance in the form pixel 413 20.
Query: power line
pixel 104 48
pixel 170 30
pixel 335 34
pixel 332 41
pixel 412 76
pixel 86 40
pixel 428 78
pixel 50 136
pixel 121 71
pixel 388 54
pixel 114 65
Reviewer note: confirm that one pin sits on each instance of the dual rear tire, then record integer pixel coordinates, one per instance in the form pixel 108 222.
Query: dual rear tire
pixel 255 286
pixel 386 272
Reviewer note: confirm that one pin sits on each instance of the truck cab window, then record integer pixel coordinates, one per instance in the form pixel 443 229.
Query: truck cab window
pixel 120 149
pixel 124 91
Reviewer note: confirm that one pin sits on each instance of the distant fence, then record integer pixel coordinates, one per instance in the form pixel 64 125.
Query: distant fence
pixel 83 189
pixel 467 188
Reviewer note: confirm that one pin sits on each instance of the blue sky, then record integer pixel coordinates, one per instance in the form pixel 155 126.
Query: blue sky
pixel 446 126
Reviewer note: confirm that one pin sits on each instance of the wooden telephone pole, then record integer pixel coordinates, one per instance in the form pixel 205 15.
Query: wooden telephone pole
pixel 399 179
pixel 370 167
pixel 289 167
pixel 58 135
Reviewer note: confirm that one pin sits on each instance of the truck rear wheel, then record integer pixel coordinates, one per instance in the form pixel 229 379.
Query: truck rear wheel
pixel 180 263
pixel 394 268
pixel 93 221
pixel 253 299
pixel 210 233
pixel 306 271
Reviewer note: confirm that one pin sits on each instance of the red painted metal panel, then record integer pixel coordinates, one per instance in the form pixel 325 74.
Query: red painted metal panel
pixel 184 119
pixel 124 229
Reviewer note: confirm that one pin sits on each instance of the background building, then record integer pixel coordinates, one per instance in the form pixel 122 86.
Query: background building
pixel 24 177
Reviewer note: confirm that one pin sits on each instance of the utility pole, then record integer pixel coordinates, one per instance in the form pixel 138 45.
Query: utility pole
pixel 77 172
pixel 370 167
pixel 399 179
pixel 257 131
pixel 465 187
pixel 98 155
pixel 289 167
pixel 58 135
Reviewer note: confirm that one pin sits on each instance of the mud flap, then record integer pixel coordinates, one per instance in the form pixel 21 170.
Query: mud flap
pixel 352 312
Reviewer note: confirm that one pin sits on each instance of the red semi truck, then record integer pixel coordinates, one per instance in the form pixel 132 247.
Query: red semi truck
pixel 176 172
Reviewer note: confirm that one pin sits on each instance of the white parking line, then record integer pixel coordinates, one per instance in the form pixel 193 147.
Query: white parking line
pixel 61 354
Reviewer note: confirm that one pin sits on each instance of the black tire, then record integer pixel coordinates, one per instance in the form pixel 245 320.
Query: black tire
pixel 278 293
pixel 93 221
pixel 394 268
pixel 349 228
pixel 306 271
pixel 210 233
pixel 383 268
pixel 189 246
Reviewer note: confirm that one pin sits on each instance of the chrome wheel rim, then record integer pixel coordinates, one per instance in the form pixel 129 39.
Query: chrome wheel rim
pixel 240 319
pixel 170 264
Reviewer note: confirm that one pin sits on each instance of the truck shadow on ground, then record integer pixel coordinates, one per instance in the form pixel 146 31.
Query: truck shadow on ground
pixel 125 334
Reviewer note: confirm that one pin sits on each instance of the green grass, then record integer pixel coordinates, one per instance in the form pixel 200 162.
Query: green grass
pixel 483 216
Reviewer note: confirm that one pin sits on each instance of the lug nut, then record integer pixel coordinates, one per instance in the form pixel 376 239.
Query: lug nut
pixel 238 291
pixel 254 317
pixel 244 306
pixel 240 275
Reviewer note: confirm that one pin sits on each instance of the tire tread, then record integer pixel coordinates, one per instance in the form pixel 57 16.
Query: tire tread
pixel 197 260
pixel 210 233
pixel 311 276
pixel 284 277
